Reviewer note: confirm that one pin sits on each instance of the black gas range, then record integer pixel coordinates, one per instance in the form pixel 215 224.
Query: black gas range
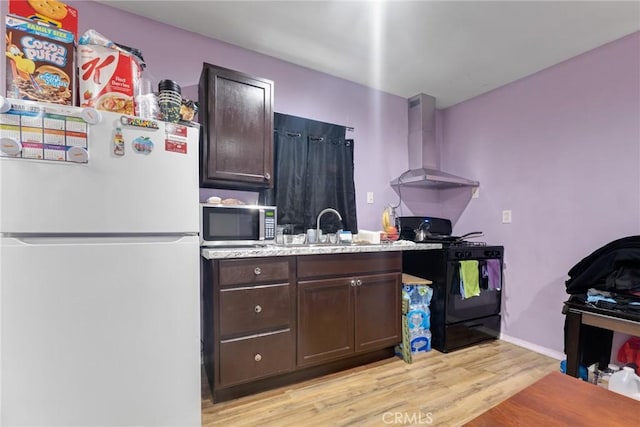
pixel 457 320
pixel 426 229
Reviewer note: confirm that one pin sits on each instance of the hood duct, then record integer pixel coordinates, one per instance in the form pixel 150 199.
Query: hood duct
pixel 424 151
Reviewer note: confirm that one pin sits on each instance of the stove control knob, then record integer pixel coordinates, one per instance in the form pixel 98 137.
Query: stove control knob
pixel 458 254
pixel 467 254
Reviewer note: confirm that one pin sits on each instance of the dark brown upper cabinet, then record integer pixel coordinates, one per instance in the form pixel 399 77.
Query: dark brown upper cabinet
pixel 236 138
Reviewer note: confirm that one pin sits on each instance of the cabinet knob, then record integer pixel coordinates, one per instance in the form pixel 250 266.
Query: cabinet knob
pixel 257 357
pixel 359 282
pixel 267 176
pixel 257 271
pixel 353 283
pixel 257 308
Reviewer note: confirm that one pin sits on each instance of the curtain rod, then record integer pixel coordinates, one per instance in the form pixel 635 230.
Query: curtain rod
pixel 347 128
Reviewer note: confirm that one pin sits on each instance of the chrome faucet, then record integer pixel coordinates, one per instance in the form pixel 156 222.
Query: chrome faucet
pixel 322 212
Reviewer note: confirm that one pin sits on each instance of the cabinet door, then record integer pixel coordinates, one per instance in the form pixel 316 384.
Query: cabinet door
pixel 378 311
pixel 325 320
pixel 237 129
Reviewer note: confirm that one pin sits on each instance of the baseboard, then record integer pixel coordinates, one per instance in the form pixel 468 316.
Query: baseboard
pixel 533 347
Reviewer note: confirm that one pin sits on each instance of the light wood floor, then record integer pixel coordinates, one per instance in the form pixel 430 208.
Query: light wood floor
pixel 437 389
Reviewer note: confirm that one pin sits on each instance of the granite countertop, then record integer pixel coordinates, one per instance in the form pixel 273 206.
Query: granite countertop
pixel 289 250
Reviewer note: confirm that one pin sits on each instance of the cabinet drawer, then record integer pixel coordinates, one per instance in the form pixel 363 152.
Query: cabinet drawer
pixel 254 357
pixel 253 270
pixel 348 264
pixel 253 309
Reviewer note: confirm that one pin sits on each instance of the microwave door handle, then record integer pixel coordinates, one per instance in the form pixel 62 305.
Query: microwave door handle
pixel 261 224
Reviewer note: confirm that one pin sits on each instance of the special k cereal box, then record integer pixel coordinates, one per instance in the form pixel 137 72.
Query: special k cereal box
pixel 40 62
pixel 51 12
pixel 108 78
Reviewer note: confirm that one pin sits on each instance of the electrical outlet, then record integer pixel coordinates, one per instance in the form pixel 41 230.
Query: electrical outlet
pixel 475 192
pixel 506 217
pixel 369 197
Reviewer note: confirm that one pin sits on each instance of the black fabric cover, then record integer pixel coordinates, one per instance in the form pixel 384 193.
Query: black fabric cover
pixel 613 267
pixel 314 171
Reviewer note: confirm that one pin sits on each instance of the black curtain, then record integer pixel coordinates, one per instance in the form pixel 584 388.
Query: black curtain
pixel 314 171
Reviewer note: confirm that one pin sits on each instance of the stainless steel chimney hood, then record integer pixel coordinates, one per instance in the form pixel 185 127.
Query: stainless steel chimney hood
pixel 424 151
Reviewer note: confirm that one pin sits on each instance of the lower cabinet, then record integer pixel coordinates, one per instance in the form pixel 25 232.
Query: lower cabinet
pixel 378 313
pixel 325 320
pixel 337 317
pixel 273 321
pixel 248 320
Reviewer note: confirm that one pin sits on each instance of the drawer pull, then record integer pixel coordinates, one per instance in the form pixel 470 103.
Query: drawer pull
pixel 257 271
pixel 353 283
pixel 257 308
pixel 257 357
pixel 359 282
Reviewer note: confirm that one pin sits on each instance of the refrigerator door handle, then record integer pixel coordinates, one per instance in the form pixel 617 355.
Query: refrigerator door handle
pixel 26 240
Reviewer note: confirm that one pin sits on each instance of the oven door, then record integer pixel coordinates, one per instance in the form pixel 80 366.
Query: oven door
pixel 486 303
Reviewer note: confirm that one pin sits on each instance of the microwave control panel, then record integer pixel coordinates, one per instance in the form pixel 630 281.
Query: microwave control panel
pixel 269 224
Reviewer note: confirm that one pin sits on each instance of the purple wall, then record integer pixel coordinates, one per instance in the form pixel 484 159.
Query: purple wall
pixel 379 119
pixel 561 149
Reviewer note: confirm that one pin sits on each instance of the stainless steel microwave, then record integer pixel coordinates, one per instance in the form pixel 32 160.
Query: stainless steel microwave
pixel 237 225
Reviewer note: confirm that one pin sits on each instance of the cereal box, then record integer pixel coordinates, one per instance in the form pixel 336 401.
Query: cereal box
pixel 51 12
pixel 40 62
pixel 107 77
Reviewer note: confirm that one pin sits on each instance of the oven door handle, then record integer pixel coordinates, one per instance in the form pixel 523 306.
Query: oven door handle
pixel 476 325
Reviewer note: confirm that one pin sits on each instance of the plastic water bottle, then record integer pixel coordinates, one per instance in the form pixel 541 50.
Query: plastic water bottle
pixel 626 382
pixel 146 101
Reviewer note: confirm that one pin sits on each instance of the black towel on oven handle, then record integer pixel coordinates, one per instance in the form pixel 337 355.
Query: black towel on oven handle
pixel 484 275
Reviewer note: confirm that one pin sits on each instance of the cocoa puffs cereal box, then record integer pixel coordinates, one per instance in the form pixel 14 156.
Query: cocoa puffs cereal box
pixel 39 62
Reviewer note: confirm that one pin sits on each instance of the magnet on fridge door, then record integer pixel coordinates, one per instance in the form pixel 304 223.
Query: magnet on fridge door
pixel 118 143
pixel 10 146
pixel 138 122
pixel 175 146
pixel 142 145
pixel 77 155
pixel 91 116
pixel 5 105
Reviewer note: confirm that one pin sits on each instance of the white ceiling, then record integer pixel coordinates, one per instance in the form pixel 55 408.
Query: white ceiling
pixel 453 50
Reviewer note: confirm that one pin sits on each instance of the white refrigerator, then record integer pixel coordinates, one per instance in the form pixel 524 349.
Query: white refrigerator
pixel 99 269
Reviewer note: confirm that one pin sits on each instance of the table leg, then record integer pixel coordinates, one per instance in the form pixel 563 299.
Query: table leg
pixel 572 341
